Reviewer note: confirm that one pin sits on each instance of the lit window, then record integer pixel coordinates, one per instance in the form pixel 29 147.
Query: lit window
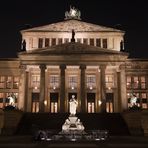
pixel 15 82
pixel 109 79
pixel 54 81
pixel 9 82
pixel 91 81
pixel 35 81
pixel 128 82
pixel 91 107
pixel 54 107
pixel 1 100
pixel 136 82
pixel 144 100
pixel 142 82
pixel 2 81
pixel 72 81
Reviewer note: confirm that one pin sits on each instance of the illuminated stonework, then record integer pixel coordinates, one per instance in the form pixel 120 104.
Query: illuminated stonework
pixel 73 14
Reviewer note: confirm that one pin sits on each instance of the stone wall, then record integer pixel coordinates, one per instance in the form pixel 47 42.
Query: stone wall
pixel 11 121
pixel 137 122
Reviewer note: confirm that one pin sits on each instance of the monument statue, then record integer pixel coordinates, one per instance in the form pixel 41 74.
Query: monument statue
pixel 133 100
pixel 73 13
pixel 73 105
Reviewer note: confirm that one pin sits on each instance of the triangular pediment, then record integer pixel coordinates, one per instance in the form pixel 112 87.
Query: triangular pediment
pixel 68 25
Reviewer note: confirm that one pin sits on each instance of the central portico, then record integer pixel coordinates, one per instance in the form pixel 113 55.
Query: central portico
pixel 51 76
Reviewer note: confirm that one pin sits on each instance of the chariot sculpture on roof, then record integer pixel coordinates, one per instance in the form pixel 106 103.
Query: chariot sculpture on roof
pixel 73 14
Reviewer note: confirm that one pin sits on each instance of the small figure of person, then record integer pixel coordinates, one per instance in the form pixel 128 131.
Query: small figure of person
pixel 73 106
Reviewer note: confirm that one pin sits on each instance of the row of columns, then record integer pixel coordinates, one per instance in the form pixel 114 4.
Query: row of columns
pixel 23 84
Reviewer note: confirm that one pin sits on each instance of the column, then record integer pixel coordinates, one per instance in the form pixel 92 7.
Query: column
pixel 42 88
pixel 62 88
pixel 22 88
pixel 82 93
pixel 103 88
pixel 122 82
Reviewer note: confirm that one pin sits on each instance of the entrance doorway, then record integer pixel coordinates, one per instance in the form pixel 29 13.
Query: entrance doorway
pixel 54 102
pixel 91 102
pixel 109 102
pixel 35 102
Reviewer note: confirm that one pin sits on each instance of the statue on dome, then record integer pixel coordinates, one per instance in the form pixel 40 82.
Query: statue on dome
pixel 73 106
pixel 73 14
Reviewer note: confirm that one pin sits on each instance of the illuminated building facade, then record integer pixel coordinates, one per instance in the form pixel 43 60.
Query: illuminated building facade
pixel 90 63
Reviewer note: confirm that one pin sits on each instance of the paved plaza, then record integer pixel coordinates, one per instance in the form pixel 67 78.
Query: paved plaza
pixel 111 142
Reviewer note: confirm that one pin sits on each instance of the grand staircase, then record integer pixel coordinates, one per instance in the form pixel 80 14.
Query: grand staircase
pixel 113 122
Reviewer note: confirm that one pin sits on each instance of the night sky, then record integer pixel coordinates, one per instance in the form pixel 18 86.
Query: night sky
pixel 128 15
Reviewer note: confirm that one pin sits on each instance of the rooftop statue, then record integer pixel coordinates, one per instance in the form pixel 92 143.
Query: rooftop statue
pixel 73 14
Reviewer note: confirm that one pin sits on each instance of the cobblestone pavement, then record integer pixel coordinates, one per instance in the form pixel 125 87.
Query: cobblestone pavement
pixel 112 142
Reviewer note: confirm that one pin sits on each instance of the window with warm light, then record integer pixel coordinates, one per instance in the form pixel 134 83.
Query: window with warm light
pixel 2 81
pixel 91 82
pixel 109 79
pixel 72 81
pixel 9 82
pixel 35 81
pixel 54 81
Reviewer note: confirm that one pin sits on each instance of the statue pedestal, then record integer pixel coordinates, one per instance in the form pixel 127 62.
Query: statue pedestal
pixel 72 124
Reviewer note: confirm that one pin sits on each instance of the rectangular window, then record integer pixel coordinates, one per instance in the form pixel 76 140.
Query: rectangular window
pixel 136 82
pixel 128 82
pixel 72 81
pixel 85 41
pixel 15 82
pixel 104 43
pixel 2 81
pixel 92 43
pixel 46 42
pixel 79 40
pixel 9 82
pixel 54 107
pixel 40 43
pixel 35 81
pixel 144 100
pixel 98 42
pixel 1 100
pixel 60 41
pixel 54 81
pixel 91 81
pixel 109 79
pixel 142 82
pixel 53 41
pixel 66 40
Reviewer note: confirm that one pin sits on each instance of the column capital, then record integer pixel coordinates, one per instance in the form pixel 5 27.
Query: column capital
pixel 23 66
pixel 62 66
pixel 122 67
pixel 102 66
pixel 82 66
pixel 42 66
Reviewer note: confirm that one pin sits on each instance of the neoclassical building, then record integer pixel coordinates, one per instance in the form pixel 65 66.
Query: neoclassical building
pixel 77 58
